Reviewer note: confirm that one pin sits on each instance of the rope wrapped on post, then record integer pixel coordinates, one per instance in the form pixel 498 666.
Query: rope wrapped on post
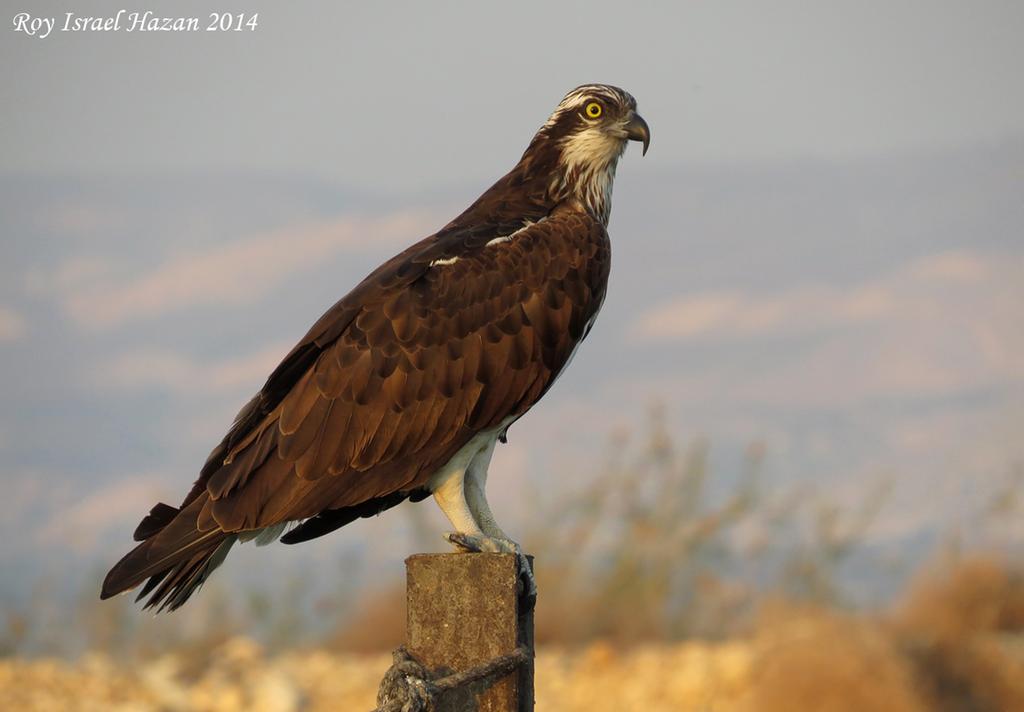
pixel 407 685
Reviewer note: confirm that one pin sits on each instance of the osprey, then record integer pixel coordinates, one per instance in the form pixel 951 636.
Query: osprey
pixel 402 389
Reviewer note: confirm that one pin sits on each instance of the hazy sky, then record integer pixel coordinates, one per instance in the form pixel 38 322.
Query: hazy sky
pixel 822 251
pixel 408 95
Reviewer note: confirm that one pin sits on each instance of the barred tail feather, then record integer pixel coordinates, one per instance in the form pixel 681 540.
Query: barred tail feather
pixel 177 559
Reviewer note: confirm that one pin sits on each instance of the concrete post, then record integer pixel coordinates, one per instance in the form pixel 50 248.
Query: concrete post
pixel 463 610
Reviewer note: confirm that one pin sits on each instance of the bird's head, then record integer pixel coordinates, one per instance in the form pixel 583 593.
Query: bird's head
pixel 586 135
pixel 572 158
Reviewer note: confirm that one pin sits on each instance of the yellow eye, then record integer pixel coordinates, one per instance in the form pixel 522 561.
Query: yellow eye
pixel 593 110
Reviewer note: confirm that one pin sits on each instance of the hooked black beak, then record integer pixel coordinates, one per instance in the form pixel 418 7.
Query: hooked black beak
pixel 638 130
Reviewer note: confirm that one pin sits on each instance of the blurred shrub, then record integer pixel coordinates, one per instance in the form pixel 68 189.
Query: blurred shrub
pixel 963 626
pixel 808 658
pixel 654 548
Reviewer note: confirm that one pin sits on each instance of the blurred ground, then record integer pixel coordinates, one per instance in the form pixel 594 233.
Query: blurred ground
pixel 954 642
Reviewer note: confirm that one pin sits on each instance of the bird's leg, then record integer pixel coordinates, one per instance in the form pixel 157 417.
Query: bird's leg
pixel 495 539
pixel 466 506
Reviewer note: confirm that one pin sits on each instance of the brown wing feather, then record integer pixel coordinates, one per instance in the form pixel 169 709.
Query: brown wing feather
pixel 387 386
pixel 398 407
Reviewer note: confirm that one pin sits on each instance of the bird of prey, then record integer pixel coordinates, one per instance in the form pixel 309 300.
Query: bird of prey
pixel 402 389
